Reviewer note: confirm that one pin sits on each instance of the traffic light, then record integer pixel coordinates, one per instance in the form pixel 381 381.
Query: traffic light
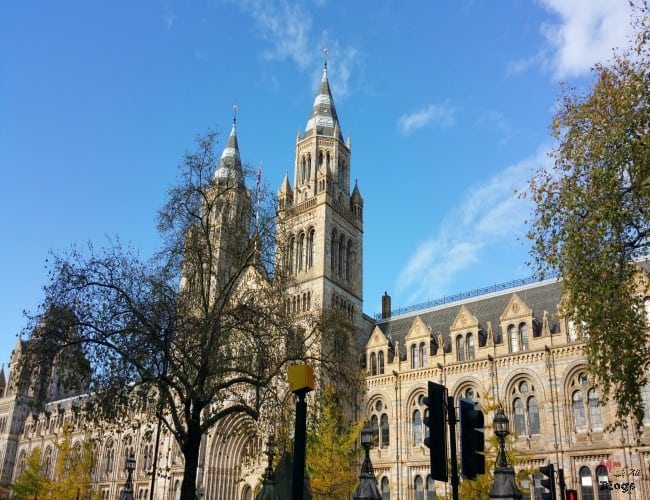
pixel 472 440
pixel 549 483
pixel 571 495
pixel 437 440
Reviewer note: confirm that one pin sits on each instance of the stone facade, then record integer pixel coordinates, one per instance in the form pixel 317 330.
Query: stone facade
pixel 510 346
pixel 507 344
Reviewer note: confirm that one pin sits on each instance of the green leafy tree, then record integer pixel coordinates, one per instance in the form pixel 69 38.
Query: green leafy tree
pixel 72 472
pixel 32 482
pixel 331 452
pixel 195 334
pixel 592 218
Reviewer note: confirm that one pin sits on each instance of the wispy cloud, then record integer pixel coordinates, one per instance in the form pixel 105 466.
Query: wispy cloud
pixel 443 115
pixel 168 17
pixel 287 27
pixel 488 215
pixel 586 33
pixel 496 121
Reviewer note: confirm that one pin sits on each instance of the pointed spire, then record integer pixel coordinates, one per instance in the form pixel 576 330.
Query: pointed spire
pixel 323 119
pixel 3 381
pixel 230 164
pixel 285 187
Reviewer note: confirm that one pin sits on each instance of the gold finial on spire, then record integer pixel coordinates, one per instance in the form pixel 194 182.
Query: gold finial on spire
pixel 325 52
pixel 234 112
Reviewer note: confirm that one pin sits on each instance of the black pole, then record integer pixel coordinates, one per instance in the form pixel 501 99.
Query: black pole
pixel 299 442
pixel 451 418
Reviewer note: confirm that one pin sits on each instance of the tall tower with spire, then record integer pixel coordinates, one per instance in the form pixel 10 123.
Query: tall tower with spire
pixel 220 240
pixel 321 220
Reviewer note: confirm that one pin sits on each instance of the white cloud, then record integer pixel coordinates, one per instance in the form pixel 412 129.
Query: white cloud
pixel 586 33
pixel 442 114
pixel 287 27
pixel 488 215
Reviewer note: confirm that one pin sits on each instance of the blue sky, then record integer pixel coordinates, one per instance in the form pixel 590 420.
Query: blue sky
pixel 447 105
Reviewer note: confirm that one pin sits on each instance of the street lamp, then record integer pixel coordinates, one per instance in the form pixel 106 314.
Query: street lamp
pixel 504 486
pixel 367 489
pixel 129 466
pixel 501 429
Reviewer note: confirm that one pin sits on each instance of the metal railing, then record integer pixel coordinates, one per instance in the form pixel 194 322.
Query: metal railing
pixel 448 299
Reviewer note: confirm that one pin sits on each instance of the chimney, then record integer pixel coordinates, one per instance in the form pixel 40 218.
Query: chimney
pixel 385 306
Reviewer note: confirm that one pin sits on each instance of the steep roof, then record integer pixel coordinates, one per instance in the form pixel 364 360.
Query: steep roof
pixel 540 297
pixel 230 167
pixel 323 119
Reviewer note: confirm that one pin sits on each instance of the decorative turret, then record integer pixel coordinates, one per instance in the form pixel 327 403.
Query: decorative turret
pixel 3 381
pixel 323 119
pixel 356 201
pixel 285 193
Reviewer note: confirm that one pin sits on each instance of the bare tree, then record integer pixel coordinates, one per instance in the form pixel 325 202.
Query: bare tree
pixel 202 328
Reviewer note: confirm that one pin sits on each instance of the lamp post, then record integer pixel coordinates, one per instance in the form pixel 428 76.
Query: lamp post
pixel 129 466
pixel 367 489
pixel 504 485
pixel 268 491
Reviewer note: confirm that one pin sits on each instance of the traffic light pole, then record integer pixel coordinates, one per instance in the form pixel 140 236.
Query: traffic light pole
pixel 451 419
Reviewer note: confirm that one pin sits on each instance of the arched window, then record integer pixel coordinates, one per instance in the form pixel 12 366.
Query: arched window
pixel 385 488
pixel 523 336
pixel 460 348
pixel 342 256
pixel 533 416
pixel 292 249
pixel 471 353
pixel 602 476
pixel 587 412
pixel 109 457
pixel 645 397
pixel 525 408
pixel 303 165
pixel 417 427
pixel 419 488
pixel 423 355
pixel 373 364
pixel 22 462
pixel 379 425
pixel 310 247
pixel 374 426
pixel 431 488
pixel 333 252
pixel 586 484
pixel 247 494
pixel 48 469
pixel 385 431
pixel 301 251
pixel 348 261
pixel 520 419
pixel 414 356
pixel 381 362
pixel 514 342
pixel 595 411
pixel 579 412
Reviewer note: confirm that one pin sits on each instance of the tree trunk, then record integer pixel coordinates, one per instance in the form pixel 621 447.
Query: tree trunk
pixel 191 453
